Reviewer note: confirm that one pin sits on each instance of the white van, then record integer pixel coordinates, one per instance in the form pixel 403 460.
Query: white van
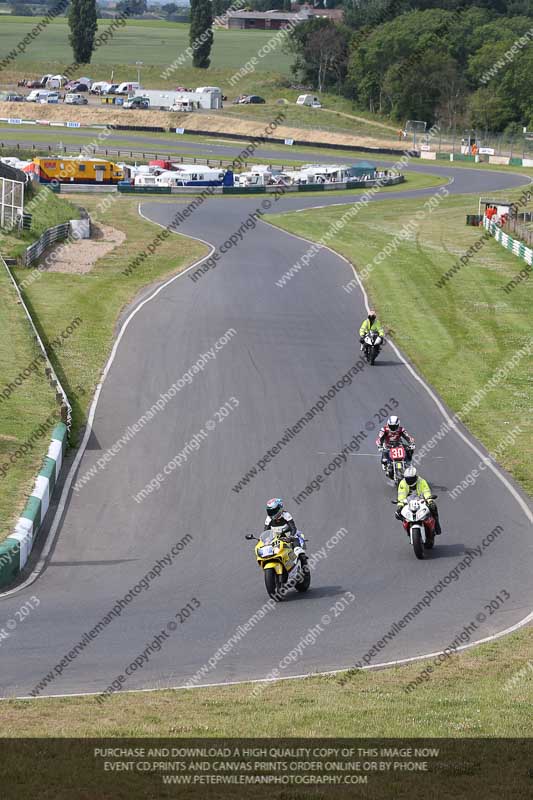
pixel 36 95
pixel 309 100
pixel 128 87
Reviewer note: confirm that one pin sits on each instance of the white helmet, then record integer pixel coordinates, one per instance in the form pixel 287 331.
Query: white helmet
pixel 410 476
pixel 393 423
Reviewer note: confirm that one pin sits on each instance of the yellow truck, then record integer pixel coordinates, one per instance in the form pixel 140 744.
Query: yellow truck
pixel 76 169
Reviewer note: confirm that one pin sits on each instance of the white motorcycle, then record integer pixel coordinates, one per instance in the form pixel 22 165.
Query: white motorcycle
pixel 372 342
pixel 418 523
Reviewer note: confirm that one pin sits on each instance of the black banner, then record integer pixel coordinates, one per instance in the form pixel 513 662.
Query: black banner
pixel 286 769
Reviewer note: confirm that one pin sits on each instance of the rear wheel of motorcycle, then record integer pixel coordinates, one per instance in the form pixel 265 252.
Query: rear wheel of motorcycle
pixel 430 541
pixel 304 584
pixel 418 547
pixel 273 584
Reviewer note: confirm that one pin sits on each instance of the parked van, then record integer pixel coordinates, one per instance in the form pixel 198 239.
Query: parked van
pixel 36 95
pixel 309 100
pixel 76 100
pixel 128 87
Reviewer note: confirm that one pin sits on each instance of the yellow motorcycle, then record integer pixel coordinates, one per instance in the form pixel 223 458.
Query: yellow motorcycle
pixel 285 567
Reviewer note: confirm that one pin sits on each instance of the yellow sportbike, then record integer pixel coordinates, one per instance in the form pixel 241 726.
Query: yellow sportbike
pixel 284 567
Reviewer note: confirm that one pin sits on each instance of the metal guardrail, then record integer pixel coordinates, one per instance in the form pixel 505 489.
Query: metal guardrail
pixel 61 395
pixel 51 235
pixel 116 152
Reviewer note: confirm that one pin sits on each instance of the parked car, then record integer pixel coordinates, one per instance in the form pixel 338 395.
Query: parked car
pixel 136 102
pixel 78 87
pixel 113 88
pixel 53 97
pixel 240 99
pixel 253 98
pixel 14 98
pixel 76 100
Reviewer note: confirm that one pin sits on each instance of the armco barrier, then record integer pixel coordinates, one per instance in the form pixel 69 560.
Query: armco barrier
pixel 144 189
pixel 51 235
pixel 15 550
pixel 244 189
pixel 61 396
pixel 514 245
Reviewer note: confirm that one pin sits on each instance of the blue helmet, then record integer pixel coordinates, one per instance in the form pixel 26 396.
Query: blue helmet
pixel 274 507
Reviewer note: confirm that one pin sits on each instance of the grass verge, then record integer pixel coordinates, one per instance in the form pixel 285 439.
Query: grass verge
pixel 487 691
pixel 24 406
pixel 44 215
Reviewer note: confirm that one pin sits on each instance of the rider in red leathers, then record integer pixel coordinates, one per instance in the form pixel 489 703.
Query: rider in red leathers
pixel 391 435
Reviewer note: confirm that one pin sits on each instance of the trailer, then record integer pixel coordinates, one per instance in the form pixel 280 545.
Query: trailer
pixel 70 169
pixel 195 175
pixel 167 100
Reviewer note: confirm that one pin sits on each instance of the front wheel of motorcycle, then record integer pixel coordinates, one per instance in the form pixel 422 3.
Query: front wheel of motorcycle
pixel 273 584
pixel 305 581
pixel 418 546
pixel 373 354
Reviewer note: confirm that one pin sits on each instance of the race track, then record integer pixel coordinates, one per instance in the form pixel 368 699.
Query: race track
pixel 291 345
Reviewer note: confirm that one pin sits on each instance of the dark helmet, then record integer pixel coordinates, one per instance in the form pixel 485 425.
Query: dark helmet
pixel 372 315
pixel 410 476
pixel 275 507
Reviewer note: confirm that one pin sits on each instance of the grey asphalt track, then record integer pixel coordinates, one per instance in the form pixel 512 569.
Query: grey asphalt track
pixel 291 345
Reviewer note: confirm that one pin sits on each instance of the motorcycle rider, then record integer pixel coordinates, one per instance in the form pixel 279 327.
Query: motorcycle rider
pixel 415 484
pixel 391 435
pixel 371 323
pixel 277 517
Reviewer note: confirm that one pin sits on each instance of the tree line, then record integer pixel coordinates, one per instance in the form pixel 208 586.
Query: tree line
pixel 456 64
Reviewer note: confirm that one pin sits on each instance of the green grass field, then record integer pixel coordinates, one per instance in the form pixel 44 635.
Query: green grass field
pixel 156 43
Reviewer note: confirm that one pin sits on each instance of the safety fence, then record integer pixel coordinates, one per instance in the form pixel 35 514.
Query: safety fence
pixel 51 235
pixel 516 247
pixel 302 187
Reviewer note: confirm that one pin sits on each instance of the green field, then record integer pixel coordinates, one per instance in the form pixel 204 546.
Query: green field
pixel 156 43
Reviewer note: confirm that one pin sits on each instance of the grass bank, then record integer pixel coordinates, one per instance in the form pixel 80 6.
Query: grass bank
pixel 459 335
pixel 487 691
pixel 24 406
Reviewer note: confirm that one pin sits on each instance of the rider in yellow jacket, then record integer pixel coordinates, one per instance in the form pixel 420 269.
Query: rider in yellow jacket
pixel 412 483
pixel 371 323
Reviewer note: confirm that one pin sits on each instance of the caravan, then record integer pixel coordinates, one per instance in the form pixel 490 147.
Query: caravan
pixel 195 175
pixel 309 100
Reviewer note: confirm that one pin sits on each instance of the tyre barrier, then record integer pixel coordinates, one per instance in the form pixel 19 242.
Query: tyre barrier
pixel 16 549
